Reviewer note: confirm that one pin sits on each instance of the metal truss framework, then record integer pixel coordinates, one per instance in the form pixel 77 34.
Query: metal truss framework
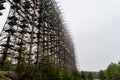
pixel 33 30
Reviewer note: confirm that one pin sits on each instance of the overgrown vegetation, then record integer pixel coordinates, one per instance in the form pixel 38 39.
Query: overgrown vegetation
pixel 111 73
pixel 6 66
pixel 84 75
pixel 48 71
pixel 42 71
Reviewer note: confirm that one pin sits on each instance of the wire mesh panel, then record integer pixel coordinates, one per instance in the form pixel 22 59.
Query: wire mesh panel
pixel 34 30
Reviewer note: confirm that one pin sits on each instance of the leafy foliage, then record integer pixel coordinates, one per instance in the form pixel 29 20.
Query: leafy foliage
pixel 90 76
pixel 102 75
pixel 7 65
pixel 111 73
pixel 44 70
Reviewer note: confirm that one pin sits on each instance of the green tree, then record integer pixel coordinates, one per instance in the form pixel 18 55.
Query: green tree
pixel 90 76
pixel 7 65
pixel 76 75
pixel 102 75
pixel 111 73
pixel 83 76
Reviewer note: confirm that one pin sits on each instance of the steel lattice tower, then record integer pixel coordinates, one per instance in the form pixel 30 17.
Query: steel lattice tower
pixel 34 29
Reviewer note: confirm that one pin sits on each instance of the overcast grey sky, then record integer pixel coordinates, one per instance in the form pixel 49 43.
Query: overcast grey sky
pixel 95 29
pixel 4 16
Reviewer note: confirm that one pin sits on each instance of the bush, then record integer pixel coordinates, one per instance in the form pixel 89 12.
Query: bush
pixel 7 65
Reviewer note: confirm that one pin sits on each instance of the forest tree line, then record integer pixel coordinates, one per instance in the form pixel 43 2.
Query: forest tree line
pixel 112 72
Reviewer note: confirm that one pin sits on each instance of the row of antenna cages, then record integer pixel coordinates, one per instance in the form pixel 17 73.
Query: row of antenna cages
pixel 2 7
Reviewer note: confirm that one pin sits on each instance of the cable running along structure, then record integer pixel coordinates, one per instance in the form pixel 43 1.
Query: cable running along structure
pixel 34 30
